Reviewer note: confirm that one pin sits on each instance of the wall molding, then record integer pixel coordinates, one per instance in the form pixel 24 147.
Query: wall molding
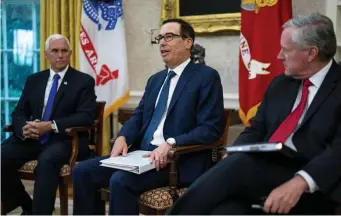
pixel 230 100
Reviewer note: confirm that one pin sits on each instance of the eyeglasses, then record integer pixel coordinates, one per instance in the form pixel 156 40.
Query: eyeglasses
pixel 167 37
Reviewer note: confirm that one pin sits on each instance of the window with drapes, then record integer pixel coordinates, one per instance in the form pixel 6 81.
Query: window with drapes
pixel 20 48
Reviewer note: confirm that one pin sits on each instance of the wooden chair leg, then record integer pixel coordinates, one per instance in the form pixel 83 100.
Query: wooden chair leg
pixel 63 197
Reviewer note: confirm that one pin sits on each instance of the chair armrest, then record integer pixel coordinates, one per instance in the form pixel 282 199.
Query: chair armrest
pixel 177 151
pixel 8 128
pixel 73 131
pixel 174 154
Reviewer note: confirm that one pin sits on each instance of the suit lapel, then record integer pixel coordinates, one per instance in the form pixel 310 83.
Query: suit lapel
pixel 290 97
pixel 155 91
pixel 324 91
pixel 182 82
pixel 41 88
pixel 62 88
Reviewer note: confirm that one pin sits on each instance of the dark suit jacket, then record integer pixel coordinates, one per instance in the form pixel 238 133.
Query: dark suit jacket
pixel 319 137
pixel 74 105
pixel 195 115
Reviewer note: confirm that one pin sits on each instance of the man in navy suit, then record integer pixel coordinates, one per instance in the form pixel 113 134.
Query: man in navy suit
pixel 52 100
pixel 182 105
pixel 302 110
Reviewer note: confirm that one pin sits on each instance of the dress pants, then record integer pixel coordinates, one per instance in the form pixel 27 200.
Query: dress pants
pixel 51 157
pixel 125 188
pixel 239 181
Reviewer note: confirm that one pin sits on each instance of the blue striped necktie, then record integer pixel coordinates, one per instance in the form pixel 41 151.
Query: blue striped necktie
pixel 158 113
pixel 49 106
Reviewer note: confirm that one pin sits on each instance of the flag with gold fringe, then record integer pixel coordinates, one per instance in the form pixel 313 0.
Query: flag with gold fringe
pixel 261 27
pixel 103 55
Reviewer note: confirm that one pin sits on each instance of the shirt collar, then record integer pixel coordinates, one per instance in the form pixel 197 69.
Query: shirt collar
pixel 61 73
pixel 180 68
pixel 318 78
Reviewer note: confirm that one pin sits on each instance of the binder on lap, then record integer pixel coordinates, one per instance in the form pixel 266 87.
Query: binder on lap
pixel 134 162
pixel 263 147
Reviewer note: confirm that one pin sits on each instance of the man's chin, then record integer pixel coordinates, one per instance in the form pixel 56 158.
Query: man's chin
pixel 166 61
pixel 60 68
pixel 287 73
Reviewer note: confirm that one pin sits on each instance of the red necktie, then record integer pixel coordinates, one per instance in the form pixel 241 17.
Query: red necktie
pixel 289 124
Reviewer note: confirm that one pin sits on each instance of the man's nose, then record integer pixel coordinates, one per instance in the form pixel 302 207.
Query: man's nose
pixel 60 54
pixel 280 55
pixel 162 44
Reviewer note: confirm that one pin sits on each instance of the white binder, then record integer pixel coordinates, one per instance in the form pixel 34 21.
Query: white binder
pixel 134 162
pixel 263 147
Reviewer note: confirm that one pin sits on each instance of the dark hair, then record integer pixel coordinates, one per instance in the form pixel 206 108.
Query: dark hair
pixel 186 30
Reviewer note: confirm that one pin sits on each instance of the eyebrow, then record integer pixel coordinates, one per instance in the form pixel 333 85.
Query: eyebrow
pixel 56 49
pixel 284 48
pixel 168 33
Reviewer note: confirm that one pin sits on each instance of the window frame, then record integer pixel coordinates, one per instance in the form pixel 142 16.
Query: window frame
pixel 6 99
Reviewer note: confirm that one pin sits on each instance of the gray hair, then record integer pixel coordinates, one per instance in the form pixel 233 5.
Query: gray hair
pixel 55 37
pixel 314 30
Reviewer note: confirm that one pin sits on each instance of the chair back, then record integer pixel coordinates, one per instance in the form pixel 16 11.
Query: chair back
pixel 227 121
pixel 96 133
pixel 218 152
pixel 124 114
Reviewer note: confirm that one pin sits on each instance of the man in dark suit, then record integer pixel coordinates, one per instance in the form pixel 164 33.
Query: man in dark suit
pixel 301 109
pixel 52 100
pixel 181 105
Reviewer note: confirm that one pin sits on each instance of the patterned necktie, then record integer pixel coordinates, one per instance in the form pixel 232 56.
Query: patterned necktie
pixel 289 124
pixel 49 105
pixel 158 113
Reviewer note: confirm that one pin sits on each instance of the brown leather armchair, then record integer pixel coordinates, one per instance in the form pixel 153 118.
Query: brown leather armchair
pixel 157 201
pixel 95 144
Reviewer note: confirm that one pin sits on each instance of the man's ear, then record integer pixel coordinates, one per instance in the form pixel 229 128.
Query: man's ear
pixel 189 43
pixel 313 53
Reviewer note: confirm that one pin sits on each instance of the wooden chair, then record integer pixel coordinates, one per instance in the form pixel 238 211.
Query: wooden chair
pixel 157 201
pixel 95 144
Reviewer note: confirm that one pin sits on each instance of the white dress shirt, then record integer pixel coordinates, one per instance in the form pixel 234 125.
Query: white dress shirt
pixel 158 138
pixel 316 81
pixel 49 86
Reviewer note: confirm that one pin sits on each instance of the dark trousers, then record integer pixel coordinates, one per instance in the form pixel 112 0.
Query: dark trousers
pixel 239 181
pixel 125 187
pixel 51 157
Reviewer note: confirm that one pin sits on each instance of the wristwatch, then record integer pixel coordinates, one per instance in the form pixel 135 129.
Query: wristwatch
pixel 171 142
pixel 54 127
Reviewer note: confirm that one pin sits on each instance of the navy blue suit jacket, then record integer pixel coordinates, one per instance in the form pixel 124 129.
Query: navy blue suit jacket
pixel 195 115
pixel 74 105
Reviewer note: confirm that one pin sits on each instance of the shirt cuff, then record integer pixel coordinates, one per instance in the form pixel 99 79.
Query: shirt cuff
pixel 310 181
pixel 56 130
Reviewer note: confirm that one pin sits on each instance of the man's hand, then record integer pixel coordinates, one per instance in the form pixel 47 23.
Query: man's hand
pixel 159 155
pixel 120 146
pixel 42 126
pixel 30 131
pixel 283 198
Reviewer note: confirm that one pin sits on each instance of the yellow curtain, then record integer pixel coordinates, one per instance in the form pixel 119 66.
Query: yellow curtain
pixel 63 17
pixel 60 17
